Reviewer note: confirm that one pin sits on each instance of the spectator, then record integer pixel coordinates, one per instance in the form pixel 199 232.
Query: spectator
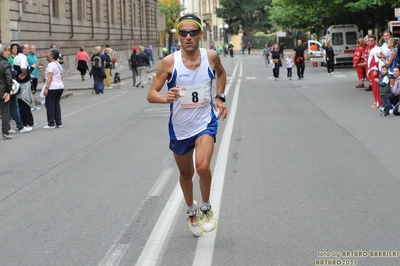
pixel 373 71
pixel 276 57
pixel 289 66
pixel 212 47
pixel 107 67
pixel 314 47
pixel 384 90
pixel 390 59
pixel 300 58
pixel 367 51
pixel 5 88
pixel 149 52
pixel 81 61
pixel 281 48
pixel 142 64
pixel 330 57
pixel 14 107
pixel 230 47
pixel 359 62
pixel 25 100
pixel 98 63
pixel 395 91
pixel 226 49
pixel 220 49
pixel 60 57
pixel 53 90
pixel 33 63
pixel 133 65
pixel 266 52
pixel 165 51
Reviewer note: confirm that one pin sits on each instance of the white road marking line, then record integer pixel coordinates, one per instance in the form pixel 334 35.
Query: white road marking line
pixel 161 182
pixel 114 255
pixel 250 77
pixel 152 250
pixel 118 250
pixel 205 245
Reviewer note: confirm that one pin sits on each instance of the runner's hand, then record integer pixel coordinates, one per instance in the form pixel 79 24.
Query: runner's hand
pixel 173 94
pixel 220 107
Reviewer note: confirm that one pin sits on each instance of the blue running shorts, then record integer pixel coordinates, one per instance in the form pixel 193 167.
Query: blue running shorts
pixel 182 147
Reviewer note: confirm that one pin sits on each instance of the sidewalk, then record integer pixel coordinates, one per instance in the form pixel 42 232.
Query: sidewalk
pixel 74 82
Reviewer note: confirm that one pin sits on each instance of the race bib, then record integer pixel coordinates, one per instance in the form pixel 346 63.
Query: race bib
pixel 194 96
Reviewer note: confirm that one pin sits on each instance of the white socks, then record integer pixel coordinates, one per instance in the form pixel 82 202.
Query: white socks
pixel 205 206
pixel 191 210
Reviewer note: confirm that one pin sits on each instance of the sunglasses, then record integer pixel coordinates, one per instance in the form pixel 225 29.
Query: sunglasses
pixel 192 33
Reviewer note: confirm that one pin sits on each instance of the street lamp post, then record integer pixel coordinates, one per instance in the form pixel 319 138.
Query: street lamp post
pixel 226 27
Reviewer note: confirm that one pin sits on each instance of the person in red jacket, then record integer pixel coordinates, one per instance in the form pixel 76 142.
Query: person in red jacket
pixel 367 50
pixel 359 62
pixel 373 70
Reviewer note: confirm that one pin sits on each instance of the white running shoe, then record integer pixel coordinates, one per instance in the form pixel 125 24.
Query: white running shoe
pixel 195 222
pixel 49 127
pixel 208 221
pixel 25 129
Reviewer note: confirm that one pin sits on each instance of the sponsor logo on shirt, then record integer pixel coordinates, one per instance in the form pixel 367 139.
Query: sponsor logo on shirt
pixel 184 75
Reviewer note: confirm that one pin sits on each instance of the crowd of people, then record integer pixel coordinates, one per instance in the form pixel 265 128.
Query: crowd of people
pixel 19 67
pixel 19 74
pixel 377 64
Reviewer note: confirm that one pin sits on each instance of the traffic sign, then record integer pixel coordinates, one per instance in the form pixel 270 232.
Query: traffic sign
pixel 397 12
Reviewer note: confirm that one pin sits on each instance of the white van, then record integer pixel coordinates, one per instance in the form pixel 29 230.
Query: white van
pixel 344 42
pixel 394 27
pixel 316 52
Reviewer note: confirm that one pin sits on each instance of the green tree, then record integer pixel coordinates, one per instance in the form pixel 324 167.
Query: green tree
pixel 250 14
pixel 319 14
pixel 172 10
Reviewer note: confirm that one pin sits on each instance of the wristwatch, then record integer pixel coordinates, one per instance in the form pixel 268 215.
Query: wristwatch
pixel 221 96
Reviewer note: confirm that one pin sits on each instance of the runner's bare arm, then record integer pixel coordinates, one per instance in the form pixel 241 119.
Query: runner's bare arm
pixel 163 74
pixel 221 82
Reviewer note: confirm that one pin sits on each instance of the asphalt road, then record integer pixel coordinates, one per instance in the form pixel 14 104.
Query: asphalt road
pixel 305 173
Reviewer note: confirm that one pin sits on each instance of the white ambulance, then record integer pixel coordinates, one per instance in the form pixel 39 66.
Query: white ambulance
pixel 344 42
pixel 394 27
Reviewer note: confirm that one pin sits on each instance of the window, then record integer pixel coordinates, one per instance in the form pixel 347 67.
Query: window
pixel 351 38
pixel 80 8
pixel 337 38
pixel 55 8
pixel 98 10
pixel 68 11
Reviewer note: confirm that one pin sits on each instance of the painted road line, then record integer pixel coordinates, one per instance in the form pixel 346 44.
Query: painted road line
pixel 205 246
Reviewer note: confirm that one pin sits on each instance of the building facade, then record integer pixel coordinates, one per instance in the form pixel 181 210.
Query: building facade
pixel 73 23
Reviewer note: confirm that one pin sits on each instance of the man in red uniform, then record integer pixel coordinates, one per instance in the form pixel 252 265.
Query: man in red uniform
pixel 359 62
pixel 373 72
pixel 367 49
pixel 314 47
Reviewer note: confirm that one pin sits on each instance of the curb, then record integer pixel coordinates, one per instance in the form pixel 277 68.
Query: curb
pixel 68 92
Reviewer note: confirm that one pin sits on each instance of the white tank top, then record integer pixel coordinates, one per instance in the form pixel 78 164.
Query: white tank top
pixel 192 113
